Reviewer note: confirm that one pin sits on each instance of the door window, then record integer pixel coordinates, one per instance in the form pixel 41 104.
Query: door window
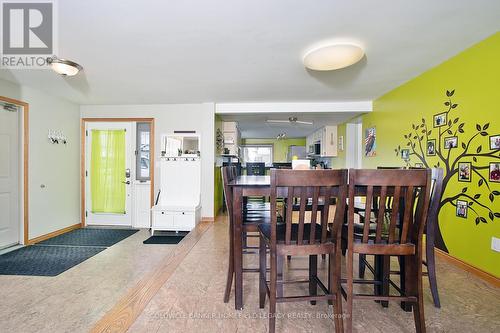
pixel 143 152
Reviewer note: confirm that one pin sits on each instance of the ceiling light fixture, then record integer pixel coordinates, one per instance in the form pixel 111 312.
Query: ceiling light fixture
pixel 333 56
pixel 281 136
pixel 64 67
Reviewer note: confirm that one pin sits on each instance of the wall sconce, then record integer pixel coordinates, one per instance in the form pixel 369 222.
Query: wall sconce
pixel 56 137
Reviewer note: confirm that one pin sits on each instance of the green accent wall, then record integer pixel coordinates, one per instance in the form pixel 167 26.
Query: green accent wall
pixel 218 189
pixel 280 147
pixel 474 77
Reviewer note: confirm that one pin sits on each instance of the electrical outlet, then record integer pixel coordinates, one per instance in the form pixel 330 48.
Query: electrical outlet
pixel 495 244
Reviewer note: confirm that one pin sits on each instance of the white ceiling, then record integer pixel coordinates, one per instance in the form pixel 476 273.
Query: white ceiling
pixel 177 51
pixel 256 126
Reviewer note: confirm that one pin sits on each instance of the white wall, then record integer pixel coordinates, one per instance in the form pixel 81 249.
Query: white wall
pixel 56 166
pixel 170 117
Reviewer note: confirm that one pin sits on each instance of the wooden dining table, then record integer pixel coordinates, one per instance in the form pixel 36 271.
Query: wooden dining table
pixel 244 186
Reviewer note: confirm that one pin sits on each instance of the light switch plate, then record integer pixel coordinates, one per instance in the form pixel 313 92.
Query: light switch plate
pixel 495 244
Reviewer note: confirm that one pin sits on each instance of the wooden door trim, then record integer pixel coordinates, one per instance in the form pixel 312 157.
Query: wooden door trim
pixel 25 176
pixel 83 122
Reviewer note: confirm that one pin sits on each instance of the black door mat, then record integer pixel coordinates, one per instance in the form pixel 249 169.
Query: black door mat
pixel 45 260
pixel 90 237
pixel 165 238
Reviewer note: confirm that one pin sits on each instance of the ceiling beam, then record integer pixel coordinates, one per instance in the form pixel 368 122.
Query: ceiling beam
pixel 242 108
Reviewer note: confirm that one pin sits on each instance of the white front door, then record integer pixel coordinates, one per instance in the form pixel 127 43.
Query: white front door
pixel 108 160
pixel 9 177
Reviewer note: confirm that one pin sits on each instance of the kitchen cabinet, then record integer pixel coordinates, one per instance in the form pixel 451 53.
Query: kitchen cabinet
pixel 232 137
pixel 327 137
pixel 329 141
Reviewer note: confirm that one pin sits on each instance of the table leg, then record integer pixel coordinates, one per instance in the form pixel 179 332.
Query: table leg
pixel 238 251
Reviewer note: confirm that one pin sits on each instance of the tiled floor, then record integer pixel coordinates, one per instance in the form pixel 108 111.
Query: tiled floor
pixel 191 301
pixel 74 300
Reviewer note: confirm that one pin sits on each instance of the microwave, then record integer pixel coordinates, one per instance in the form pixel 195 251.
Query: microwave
pixel 315 149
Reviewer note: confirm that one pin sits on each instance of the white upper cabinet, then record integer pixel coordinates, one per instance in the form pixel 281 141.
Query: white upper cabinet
pixel 232 137
pixel 327 137
pixel 329 141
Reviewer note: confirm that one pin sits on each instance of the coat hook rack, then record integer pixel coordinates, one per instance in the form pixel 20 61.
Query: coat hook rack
pixel 57 137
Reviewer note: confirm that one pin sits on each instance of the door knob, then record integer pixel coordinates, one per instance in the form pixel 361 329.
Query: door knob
pixel 126 182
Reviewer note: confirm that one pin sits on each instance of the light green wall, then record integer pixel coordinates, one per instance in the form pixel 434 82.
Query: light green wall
pixel 280 147
pixel 474 75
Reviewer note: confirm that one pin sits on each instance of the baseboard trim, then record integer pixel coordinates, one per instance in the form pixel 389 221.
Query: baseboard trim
pixel 490 278
pixel 207 219
pixel 54 234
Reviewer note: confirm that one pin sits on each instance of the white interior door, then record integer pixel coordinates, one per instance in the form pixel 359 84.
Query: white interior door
pixel 9 177
pixel 101 207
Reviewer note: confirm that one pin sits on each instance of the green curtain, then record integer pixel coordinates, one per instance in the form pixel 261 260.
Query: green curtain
pixel 107 171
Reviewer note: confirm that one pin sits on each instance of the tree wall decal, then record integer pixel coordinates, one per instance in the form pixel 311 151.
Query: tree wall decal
pixel 445 124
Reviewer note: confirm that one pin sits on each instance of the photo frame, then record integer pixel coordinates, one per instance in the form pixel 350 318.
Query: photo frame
pixel 431 147
pixel 440 119
pixel 495 142
pixel 494 173
pixel 451 142
pixel 464 172
pixel 462 209
pixel 405 154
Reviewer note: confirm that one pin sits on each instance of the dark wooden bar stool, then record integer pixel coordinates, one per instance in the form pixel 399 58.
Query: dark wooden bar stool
pixel 256 203
pixel 238 173
pixel 430 233
pixel 250 224
pixel 304 238
pixel 362 262
pixel 410 188
pixel 430 229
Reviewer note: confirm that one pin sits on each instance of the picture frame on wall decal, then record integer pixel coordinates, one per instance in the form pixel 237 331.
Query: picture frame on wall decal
pixel 464 171
pixel 462 208
pixel 451 142
pixel 431 147
pixel 440 119
pixel 495 142
pixel 405 154
pixel 494 174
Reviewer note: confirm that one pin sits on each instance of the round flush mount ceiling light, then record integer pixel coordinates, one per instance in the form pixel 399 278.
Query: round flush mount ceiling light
pixel 64 67
pixel 333 56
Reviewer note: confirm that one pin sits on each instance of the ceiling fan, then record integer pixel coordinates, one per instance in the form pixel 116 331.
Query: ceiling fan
pixel 291 120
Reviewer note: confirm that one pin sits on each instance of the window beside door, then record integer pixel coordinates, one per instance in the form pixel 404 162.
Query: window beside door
pixel 143 152
pixel 258 153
